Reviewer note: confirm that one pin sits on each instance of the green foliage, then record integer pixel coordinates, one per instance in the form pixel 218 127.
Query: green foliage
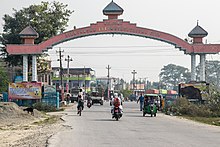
pixel 48 19
pixel 172 75
pixel 212 71
pixel 210 108
pixel 3 81
pixel 126 93
pixel 214 101
pixel 44 107
pixel 186 108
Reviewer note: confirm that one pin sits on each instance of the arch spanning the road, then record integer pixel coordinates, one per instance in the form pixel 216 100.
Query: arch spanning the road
pixel 114 26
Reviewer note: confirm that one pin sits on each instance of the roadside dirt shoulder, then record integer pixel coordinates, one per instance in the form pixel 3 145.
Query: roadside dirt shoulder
pixel 20 129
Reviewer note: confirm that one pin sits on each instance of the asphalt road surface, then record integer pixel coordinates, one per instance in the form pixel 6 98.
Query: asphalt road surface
pixel 96 128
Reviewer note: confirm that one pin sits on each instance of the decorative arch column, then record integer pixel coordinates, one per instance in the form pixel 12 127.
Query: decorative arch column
pixel 34 68
pixel 202 67
pixel 25 68
pixel 197 34
pixel 28 35
pixel 193 67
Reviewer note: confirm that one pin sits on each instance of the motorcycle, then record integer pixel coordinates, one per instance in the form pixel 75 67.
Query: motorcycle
pixel 117 109
pixel 89 103
pixel 117 113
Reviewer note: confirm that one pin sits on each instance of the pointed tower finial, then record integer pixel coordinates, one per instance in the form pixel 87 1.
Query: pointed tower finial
pixel 112 10
pixel 197 22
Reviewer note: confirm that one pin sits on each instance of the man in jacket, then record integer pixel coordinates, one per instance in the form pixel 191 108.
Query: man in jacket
pixel 141 99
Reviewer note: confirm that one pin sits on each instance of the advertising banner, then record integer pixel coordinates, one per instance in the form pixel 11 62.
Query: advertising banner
pixel 25 90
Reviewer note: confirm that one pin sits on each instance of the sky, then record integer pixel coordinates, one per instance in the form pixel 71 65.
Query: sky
pixel 125 53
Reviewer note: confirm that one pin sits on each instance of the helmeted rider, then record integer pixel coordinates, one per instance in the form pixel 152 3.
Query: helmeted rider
pixel 116 102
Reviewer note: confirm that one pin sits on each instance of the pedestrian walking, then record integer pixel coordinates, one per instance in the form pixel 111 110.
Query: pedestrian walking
pixel 141 99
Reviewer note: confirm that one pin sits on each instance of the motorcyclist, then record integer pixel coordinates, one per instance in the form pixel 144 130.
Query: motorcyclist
pixel 89 100
pixel 116 102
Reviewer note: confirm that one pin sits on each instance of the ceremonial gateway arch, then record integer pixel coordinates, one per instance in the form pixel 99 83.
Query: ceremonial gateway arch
pixel 113 25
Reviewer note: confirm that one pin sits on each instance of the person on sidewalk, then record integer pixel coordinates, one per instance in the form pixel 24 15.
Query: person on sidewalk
pixel 141 99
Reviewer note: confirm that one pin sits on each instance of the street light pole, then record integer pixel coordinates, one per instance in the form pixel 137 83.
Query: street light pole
pixel 134 72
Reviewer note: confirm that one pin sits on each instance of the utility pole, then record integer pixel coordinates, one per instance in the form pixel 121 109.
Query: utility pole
pixel 84 79
pixel 108 80
pixel 68 72
pixel 61 73
pixel 140 83
pixel 145 84
pixel 134 72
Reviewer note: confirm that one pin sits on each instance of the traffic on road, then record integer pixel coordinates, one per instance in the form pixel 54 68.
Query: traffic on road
pixel 97 128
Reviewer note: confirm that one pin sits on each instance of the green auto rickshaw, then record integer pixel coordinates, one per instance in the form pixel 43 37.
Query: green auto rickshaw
pixel 150 104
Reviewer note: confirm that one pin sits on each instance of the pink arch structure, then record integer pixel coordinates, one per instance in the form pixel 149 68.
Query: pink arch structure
pixel 114 26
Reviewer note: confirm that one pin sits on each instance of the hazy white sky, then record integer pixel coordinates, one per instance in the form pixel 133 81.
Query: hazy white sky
pixel 127 53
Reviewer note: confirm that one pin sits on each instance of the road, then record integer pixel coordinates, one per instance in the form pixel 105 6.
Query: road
pixel 95 128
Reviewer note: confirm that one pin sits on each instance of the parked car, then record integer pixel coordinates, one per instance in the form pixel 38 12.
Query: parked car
pixel 74 95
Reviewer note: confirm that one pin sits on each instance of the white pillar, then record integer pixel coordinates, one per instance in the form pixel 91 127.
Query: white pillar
pixel 25 68
pixel 193 67
pixel 34 68
pixel 202 67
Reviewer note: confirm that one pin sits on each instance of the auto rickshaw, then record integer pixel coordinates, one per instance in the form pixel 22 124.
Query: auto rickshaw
pixel 150 105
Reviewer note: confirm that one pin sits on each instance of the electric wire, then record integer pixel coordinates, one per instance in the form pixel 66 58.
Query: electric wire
pixel 138 46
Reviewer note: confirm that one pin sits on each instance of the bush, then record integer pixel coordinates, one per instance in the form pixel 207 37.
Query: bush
pixel 44 107
pixel 184 107
pixel 214 103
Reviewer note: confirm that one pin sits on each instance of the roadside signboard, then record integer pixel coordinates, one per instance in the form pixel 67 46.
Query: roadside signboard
pixel 27 90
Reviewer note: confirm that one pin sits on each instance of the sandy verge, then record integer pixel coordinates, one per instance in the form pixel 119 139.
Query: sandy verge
pixel 20 129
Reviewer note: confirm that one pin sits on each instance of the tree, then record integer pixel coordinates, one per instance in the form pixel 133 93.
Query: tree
pixel 3 80
pixel 212 72
pixel 126 93
pixel 172 75
pixel 48 19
